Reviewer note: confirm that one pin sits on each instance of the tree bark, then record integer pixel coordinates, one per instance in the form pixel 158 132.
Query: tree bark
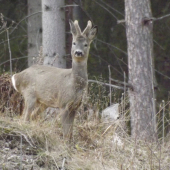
pixel 77 13
pixel 54 32
pixel 140 65
pixel 34 30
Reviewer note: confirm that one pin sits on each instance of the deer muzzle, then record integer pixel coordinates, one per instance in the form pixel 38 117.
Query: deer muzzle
pixel 79 53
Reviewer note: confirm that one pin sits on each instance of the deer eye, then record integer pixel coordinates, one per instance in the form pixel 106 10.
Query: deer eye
pixel 74 43
pixel 85 45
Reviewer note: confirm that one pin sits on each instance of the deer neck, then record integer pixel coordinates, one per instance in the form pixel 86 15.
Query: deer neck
pixel 79 73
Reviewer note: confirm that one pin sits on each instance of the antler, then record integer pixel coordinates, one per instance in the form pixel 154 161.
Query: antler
pixel 87 29
pixel 77 27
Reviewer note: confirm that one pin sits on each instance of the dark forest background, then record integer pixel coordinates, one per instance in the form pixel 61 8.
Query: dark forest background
pixel 108 49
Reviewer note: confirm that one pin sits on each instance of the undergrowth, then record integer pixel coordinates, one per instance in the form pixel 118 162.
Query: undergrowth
pixel 97 144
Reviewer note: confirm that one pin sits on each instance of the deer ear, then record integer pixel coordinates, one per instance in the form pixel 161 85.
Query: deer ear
pixel 92 33
pixel 72 28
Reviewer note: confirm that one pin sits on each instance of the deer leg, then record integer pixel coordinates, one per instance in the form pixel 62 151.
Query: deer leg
pixel 67 123
pixel 30 105
pixel 24 111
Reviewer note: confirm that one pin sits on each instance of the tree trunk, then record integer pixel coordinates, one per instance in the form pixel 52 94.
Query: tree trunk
pixel 34 30
pixel 77 13
pixel 140 65
pixel 54 32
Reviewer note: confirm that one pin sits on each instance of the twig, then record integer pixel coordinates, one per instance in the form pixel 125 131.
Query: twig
pixel 63 163
pixel 68 6
pixel 118 60
pixel 106 9
pixel 124 99
pixel 109 6
pixel 25 138
pixel 123 83
pixel 165 16
pixel 106 129
pixel 162 48
pixel 21 153
pixel 112 46
pixel 106 84
pixel 12 60
pixel 2 42
pixel 107 63
pixel 163 122
pixel 55 163
pixel 24 19
pixel 146 19
pixel 10 57
pixel 30 138
pixel 110 88
pixel 121 21
pixel 162 107
pixel 3 26
pixel 153 152
pixel 162 74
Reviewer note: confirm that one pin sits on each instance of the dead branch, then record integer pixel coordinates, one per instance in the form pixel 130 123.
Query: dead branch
pixel 146 19
pixel 106 84
pixel 123 83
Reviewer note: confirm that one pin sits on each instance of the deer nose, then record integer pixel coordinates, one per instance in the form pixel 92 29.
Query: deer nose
pixel 78 53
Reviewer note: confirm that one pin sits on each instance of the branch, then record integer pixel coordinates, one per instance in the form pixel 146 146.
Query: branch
pixel 162 74
pixel 111 46
pixel 106 9
pixel 10 56
pixel 109 6
pixel 24 19
pixel 96 55
pixel 55 162
pixel 165 16
pixel 106 84
pixel 64 160
pixel 26 138
pixel 146 19
pixel 121 21
pixel 3 26
pixel 124 83
pixel 68 6
pixel 13 59
pixel 2 42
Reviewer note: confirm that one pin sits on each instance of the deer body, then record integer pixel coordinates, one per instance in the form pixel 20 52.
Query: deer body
pixel 46 86
pixel 55 94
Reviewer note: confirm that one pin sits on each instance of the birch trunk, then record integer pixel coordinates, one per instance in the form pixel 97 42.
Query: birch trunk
pixel 140 63
pixel 53 18
pixel 34 30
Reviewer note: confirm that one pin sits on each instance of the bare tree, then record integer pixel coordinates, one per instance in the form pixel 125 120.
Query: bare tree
pixel 140 63
pixel 53 21
pixel 34 29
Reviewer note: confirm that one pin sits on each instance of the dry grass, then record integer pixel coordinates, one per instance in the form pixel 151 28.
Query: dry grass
pixel 96 145
pixel 11 102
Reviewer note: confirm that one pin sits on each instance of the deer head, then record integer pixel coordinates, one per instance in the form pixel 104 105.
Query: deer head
pixel 81 40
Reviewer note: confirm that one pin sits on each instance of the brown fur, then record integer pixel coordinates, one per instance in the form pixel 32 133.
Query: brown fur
pixel 46 86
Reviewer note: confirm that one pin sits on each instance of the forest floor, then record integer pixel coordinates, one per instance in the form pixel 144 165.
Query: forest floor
pixel 96 145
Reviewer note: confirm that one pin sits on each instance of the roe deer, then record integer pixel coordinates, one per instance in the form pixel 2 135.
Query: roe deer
pixel 46 86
